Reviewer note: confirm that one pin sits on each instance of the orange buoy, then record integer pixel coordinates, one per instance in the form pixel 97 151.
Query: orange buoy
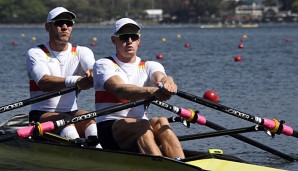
pixel 93 44
pixel 187 45
pixel 241 46
pixel 14 43
pixel 211 95
pixel 159 56
pixel 238 58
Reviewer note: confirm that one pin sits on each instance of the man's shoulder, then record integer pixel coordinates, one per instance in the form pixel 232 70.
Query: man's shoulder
pixel 152 63
pixel 35 50
pixel 107 59
pixel 82 50
pixel 79 47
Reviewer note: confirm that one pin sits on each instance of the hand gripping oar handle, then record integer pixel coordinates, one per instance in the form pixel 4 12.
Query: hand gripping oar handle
pixel 273 125
pixel 51 125
pixel 36 99
pixel 183 112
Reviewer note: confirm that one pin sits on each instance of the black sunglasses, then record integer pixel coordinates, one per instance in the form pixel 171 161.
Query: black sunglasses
pixel 61 22
pixel 125 36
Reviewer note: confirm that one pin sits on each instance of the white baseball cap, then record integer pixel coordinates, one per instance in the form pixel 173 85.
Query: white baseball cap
pixel 57 11
pixel 122 22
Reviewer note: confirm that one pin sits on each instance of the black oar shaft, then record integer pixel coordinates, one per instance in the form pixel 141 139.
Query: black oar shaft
pixel 267 123
pixel 217 133
pixel 219 107
pixel 237 136
pixel 101 112
pixel 36 99
pixel 252 142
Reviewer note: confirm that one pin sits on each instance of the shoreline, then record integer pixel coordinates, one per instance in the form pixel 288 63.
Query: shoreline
pixel 178 25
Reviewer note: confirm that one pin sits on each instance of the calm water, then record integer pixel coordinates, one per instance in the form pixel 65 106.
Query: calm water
pixel 264 84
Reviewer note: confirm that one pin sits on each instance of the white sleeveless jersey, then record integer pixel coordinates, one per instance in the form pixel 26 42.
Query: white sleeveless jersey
pixel 43 61
pixel 138 73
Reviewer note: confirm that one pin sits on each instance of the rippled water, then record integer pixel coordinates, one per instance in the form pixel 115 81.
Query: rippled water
pixel 264 84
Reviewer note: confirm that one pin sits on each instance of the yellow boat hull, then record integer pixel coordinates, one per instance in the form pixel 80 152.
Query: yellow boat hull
pixel 224 165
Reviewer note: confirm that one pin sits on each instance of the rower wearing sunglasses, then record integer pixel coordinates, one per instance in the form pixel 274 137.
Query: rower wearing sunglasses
pixel 58 64
pixel 126 77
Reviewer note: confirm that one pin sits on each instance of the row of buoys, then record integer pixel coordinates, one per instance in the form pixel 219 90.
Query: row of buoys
pixel 160 56
pixel 211 95
pixel 23 35
pixel 164 39
pixel 187 45
pixel 94 41
pixel 238 58
pixel 33 38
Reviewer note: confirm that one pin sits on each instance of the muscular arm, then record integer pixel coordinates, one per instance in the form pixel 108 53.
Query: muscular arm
pixel 39 71
pixel 130 92
pixel 53 83
pixel 116 86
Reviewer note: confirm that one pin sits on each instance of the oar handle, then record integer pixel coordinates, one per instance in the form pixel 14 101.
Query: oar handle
pixel 278 127
pixel 273 126
pixel 42 127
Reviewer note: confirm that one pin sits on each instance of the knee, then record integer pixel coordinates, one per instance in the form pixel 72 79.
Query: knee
pixel 163 121
pixel 154 120
pixel 143 126
pixel 159 121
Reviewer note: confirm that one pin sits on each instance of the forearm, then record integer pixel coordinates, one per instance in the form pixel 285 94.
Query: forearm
pixel 131 92
pixel 167 79
pixel 51 83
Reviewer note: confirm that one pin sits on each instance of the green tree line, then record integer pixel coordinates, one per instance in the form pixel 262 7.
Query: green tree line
pixel 96 11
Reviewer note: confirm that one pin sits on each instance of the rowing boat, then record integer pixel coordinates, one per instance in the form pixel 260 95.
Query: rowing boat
pixel 59 156
pixel 62 154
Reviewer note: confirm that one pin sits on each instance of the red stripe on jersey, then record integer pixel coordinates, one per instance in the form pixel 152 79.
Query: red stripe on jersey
pixel 34 86
pixel 107 97
pixel 141 64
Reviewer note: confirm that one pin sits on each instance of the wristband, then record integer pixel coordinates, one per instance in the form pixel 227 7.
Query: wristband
pixel 71 81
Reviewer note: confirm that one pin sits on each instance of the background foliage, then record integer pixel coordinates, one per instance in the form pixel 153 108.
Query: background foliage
pixel 95 11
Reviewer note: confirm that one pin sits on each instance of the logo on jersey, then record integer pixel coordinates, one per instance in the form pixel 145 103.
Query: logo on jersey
pixel 117 70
